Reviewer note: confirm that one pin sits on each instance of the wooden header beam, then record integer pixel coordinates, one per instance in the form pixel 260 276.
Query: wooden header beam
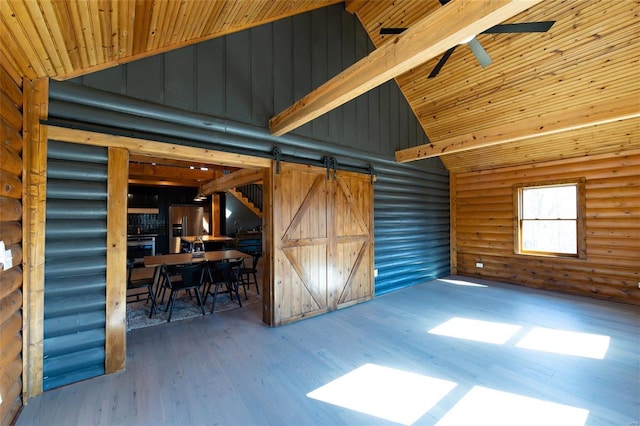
pixel 159 149
pixel 619 109
pixel 446 27
pixel 161 172
pixel 232 180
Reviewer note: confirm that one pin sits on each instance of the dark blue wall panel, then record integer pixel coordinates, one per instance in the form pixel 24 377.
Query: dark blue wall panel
pixel 252 75
pixel 179 92
pixel 75 263
pixel 210 77
pixel 244 79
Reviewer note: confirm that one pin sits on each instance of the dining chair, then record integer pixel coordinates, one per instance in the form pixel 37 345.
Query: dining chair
pixel 161 290
pixel 139 287
pixel 246 273
pixel 183 278
pixel 222 273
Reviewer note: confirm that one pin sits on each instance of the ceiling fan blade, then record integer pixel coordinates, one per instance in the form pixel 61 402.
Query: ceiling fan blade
pixel 525 27
pixel 478 50
pixel 392 30
pixel 441 62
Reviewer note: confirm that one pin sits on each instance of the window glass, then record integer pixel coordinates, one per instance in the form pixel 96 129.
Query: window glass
pixel 549 219
pixel 552 202
pixel 549 236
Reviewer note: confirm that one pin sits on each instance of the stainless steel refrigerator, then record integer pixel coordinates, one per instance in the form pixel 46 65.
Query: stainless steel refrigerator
pixel 184 221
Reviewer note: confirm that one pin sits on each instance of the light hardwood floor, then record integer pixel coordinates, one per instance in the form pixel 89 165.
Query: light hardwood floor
pixel 230 369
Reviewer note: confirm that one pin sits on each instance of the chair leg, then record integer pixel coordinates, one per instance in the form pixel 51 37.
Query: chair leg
pixel 255 281
pixel 163 291
pixel 215 296
pixel 171 303
pixel 153 300
pixel 166 308
pixel 157 281
pixel 237 290
pixel 200 300
pixel 207 289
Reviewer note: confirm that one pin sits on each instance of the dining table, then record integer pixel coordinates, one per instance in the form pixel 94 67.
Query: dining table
pixel 187 258
pixel 209 241
pixel 157 262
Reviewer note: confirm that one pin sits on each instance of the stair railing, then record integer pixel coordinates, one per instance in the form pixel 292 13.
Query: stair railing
pixel 252 192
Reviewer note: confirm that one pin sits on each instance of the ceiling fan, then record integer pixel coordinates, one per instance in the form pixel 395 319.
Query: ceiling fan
pixel 481 55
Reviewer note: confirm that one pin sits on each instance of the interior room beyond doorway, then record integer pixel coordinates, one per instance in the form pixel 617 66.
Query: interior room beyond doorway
pixel 168 212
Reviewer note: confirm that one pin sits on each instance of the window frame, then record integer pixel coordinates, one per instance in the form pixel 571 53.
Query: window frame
pixel 580 218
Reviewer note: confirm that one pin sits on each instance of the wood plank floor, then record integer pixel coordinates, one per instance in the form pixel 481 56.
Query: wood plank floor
pixel 230 369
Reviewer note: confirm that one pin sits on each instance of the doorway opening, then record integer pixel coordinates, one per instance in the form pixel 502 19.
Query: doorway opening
pixel 173 205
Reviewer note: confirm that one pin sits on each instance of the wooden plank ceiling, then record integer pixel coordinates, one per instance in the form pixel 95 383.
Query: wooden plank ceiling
pixel 158 171
pixel 66 38
pixel 586 67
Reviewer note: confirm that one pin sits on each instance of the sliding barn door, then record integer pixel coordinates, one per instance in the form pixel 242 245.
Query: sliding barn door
pixel 323 241
pixel 352 240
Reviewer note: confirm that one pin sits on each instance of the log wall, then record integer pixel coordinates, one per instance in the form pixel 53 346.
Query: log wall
pixel 483 227
pixel 11 234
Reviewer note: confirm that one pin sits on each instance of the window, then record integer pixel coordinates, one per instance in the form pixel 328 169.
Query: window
pixel 550 219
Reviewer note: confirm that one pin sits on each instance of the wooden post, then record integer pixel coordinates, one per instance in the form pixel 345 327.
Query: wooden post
pixel 116 315
pixel 36 98
pixel 267 245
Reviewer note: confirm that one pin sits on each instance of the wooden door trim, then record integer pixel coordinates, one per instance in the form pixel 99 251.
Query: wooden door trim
pixel 36 101
pixel 115 347
pixel 149 147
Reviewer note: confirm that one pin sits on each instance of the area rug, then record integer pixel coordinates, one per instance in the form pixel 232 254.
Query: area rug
pixel 138 312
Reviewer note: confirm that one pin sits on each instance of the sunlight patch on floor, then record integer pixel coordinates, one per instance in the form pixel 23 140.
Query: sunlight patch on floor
pixel 484 406
pixel 480 331
pixel 461 282
pixel 395 395
pixel 566 342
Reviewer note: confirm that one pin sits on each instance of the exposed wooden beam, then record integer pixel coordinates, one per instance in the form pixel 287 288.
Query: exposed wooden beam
pixel 144 180
pixel 241 177
pixel 149 159
pixel 620 109
pixel 142 146
pixel 446 27
pixel 159 172
pixel 353 6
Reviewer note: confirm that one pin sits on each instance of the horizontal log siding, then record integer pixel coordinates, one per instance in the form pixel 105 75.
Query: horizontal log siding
pixel 11 235
pixel 485 220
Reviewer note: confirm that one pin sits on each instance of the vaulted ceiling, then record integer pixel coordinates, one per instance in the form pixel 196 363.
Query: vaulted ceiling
pixel 572 91
pixel 584 70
